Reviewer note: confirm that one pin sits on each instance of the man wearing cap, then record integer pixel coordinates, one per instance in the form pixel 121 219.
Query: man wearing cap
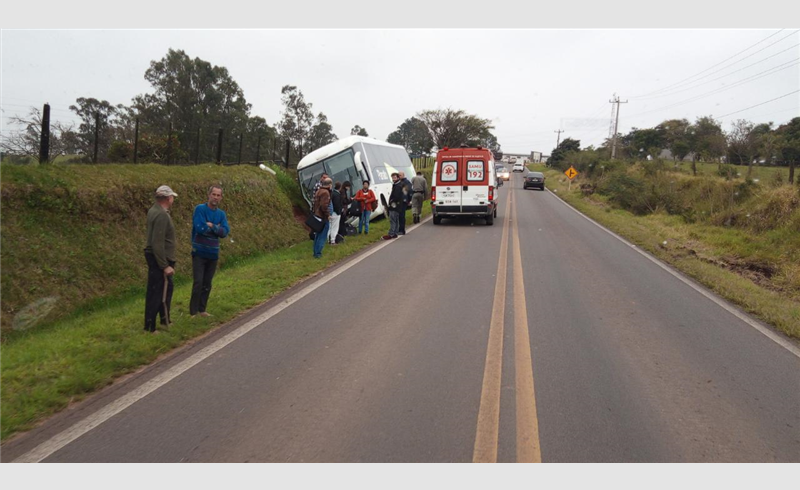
pixel 160 255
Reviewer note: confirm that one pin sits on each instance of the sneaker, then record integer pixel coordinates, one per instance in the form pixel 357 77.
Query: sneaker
pixel 387 237
pixel 204 313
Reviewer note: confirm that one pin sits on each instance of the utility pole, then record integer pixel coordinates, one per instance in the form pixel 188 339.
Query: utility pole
pixel 615 100
pixel 44 143
pixel 136 143
pixel 96 135
pixel 558 140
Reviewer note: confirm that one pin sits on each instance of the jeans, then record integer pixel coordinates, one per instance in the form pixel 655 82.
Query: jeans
pixel 320 239
pixel 203 271
pixel 334 225
pixel 394 222
pixel 364 220
pixel 153 304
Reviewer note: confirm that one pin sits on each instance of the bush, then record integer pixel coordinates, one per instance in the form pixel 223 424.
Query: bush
pixel 727 171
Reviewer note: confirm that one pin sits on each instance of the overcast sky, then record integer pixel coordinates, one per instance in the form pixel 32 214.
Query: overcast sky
pixel 528 82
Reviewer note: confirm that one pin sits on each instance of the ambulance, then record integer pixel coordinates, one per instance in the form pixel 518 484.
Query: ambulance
pixel 464 184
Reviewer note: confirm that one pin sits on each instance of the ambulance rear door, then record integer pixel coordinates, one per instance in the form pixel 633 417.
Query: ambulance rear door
pixel 475 187
pixel 449 179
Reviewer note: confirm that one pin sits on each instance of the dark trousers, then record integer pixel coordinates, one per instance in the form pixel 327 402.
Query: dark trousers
pixel 203 272
pixel 402 211
pixel 153 304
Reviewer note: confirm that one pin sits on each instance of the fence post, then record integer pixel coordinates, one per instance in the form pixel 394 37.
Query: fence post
pixel 197 148
pixel 287 153
pixel 96 134
pixel 169 145
pixel 44 144
pixel 136 143
pixel 219 147
pixel 258 149
pixel 241 139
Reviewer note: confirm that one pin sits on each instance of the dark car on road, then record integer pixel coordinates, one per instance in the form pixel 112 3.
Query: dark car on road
pixel 534 179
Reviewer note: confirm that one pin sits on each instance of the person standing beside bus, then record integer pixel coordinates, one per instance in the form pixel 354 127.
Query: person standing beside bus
pixel 397 201
pixel 365 197
pixel 336 203
pixel 346 200
pixel 418 188
pixel 322 209
pixel 406 188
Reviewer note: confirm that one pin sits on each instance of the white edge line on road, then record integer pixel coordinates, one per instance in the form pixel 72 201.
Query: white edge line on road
pixel 788 345
pixel 80 428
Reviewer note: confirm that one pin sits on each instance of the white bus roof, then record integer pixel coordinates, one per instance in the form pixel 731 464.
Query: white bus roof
pixel 337 146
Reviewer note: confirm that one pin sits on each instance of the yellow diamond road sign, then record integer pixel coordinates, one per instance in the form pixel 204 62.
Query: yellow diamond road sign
pixel 571 173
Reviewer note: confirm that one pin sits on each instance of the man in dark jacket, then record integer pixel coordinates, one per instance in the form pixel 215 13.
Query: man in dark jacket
pixel 336 201
pixel 396 203
pixel 160 255
pixel 406 201
pixel 322 209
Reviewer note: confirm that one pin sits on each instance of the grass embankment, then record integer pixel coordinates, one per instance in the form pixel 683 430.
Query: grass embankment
pixel 739 239
pixel 46 367
pixel 73 236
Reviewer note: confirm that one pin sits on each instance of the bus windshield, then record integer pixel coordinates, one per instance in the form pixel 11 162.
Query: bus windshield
pixel 340 167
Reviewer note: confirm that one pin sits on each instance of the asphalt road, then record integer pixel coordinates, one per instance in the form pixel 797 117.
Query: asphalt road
pixel 541 338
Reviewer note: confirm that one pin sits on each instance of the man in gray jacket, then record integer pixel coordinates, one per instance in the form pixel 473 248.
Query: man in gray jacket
pixel 160 255
pixel 418 188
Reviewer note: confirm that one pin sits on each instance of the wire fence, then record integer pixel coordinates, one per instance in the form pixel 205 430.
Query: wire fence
pixel 59 135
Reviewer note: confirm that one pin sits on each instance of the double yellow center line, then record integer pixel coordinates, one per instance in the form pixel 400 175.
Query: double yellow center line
pixel 487 435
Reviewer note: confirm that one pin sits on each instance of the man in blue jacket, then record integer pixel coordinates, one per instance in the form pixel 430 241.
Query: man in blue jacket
pixel 209 224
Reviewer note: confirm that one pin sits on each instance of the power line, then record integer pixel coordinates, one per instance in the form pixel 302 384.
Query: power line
pixel 748 108
pixel 762 74
pixel 721 62
pixel 718 78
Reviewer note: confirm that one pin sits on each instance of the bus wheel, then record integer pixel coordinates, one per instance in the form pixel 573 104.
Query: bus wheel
pixel 437 220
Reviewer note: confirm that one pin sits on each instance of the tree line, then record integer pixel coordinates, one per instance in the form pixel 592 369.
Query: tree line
pixel 745 143
pixel 191 100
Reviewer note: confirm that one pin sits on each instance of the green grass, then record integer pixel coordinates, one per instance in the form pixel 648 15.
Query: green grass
pixel 724 259
pixel 45 369
pixel 763 173
pixel 75 234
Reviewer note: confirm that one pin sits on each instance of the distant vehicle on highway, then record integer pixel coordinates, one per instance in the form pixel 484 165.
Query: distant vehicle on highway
pixel 464 184
pixel 534 179
pixel 519 167
pixel 502 172
pixel 356 158
pixel 512 160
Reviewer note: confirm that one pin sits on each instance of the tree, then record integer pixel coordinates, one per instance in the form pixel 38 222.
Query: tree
pixel 706 140
pixel 789 144
pixel 413 134
pixel 448 127
pixel 87 109
pixel 321 134
pixel 559 155
pixel 359 131
pixel 676 137
pixel 297 117
pixel 741 144
pixel 640 141
pixel 26 141
pixel 193 95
